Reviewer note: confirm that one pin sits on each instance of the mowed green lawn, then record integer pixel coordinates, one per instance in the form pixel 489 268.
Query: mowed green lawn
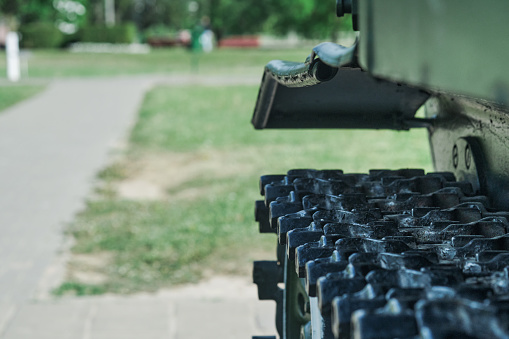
pixel 63 63
pixel 53 64
pixel 10 95
pixel 195 147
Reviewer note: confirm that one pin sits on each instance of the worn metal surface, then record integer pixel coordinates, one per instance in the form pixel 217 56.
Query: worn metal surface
pixel 390 247
pixel 320 66
pixel 352 99
pixel 460 46
pixel 329 91
pixel 469 138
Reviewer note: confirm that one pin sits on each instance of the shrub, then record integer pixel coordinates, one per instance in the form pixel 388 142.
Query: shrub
pixel 40 35
pixel 159 31
pixel 116 34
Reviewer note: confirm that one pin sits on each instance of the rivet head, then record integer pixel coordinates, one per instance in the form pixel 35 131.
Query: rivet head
pixel 455 157
pixel 468 156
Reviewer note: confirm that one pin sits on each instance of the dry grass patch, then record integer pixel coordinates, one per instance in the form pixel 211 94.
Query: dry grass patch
pixel 89 268
pixel 176 175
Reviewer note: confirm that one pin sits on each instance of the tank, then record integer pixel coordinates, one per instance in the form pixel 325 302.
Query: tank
pixel 396 253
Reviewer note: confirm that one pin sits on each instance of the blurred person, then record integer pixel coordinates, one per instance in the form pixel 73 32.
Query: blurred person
pixel 207 41
pixel 195 46
pixel 184 37
pixel 207 36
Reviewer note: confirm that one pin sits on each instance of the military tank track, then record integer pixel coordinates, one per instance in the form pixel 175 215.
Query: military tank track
pixel 389 254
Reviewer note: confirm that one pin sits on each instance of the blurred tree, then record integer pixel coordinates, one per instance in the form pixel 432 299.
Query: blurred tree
pixel 153 12
pixel 28 11
pixel 9 7
pixel 309 18
pixel 124 10
pixel 145 13
pixel 70 15
pixel 95 13
pixel 239 17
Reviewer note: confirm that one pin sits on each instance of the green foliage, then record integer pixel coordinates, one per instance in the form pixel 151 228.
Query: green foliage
pixel 35 11
pixel 239 17
pixel 9 7
pixel 163 12
pixel 67 15
pixel 125 33
pixel 144 13
pixel 62 63
pixel 309 18
pixel 160 31
pixel 40 35
pixel 71 15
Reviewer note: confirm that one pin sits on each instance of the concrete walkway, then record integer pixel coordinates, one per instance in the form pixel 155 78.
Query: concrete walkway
pixel 190 313
pixel 51 147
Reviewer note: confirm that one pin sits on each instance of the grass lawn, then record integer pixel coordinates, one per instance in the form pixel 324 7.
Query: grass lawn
pixel 179 205
pixel 10 95
pixel 62 63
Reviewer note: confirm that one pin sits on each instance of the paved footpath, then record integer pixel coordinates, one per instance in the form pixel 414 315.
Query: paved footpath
pixel 51 147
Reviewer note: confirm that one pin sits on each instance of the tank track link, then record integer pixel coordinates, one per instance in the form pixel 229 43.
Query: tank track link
pixel 389 254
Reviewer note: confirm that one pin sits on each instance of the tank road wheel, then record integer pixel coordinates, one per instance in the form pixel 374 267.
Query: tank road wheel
pixel 389 254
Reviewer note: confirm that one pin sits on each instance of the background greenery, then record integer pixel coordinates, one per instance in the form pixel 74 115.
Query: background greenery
pixel 309 18
pixel 61 63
